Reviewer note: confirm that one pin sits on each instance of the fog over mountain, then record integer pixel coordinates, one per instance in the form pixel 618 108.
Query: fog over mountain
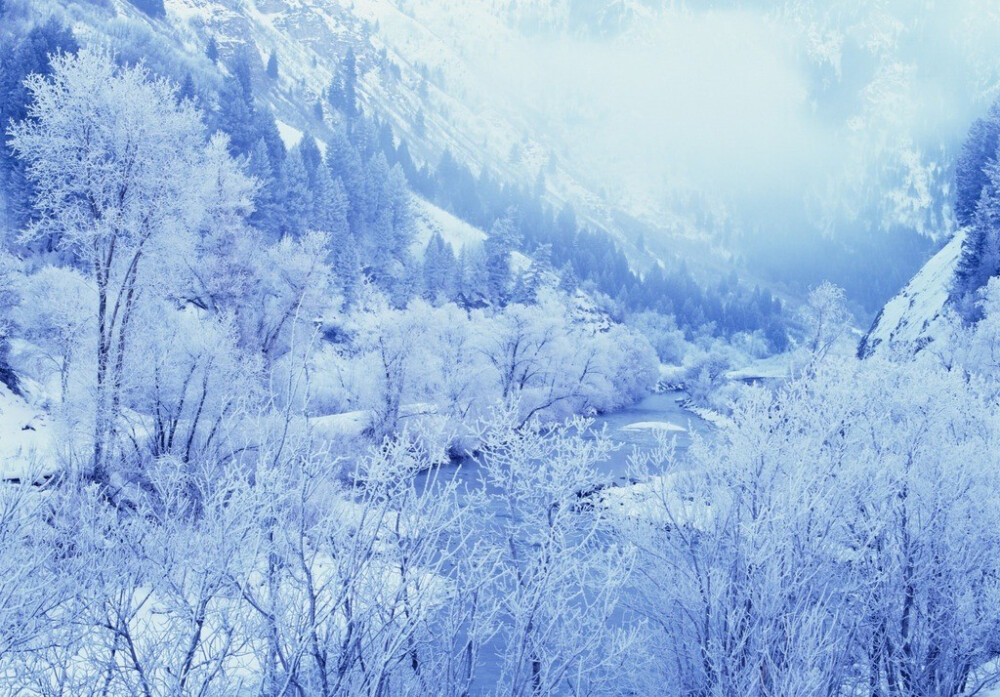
pixel 819 109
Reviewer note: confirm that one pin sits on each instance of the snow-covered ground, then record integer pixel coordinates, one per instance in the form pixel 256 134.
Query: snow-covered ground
pixel 27 448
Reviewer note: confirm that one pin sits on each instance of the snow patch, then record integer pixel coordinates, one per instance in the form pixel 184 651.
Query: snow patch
pixel 290 135
pixel 26 440
pixel 654 426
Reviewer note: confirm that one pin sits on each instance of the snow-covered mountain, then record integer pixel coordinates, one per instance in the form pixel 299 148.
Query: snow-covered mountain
pixel 412 69
pixel 446 75
pixel 914 318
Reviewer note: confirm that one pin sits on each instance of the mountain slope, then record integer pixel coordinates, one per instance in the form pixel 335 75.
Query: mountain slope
pixel 912 319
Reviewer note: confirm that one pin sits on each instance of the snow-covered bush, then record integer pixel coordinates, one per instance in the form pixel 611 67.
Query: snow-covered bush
pixel 450 367
pixel 662 332
pixel 839 534
pixel 55 315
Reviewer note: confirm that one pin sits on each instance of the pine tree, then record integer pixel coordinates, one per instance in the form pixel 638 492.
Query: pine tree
pixel 296 200
pixel 440 268
pixel 537 276
pixel 502 241
pixel 236 118
pixel 318 110
pixel 153 8
pixel 399 202
pixel 312 158
pixel 980 258
pixel 335 93
pixel 212 50
pixel 979 148
pixel 376 179
pixel 272 65
pixel 405 162
pixel 330 205
pixel 242 71
pixel 344 259
pixel 349 69
pixel 266 215
pixel 187 90
pixel 568 281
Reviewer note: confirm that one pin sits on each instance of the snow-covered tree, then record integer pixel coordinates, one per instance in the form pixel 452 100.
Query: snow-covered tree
pixel 118 164
pixel 557 581
pixel 825 318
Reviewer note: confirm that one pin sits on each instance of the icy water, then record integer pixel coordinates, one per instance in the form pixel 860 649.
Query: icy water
pixel 636 428
pixel 632 428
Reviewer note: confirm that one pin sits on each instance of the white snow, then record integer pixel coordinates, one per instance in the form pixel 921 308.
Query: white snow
pixel 430 219
pixel 349 424
pixel 289 134
pixel 458 233
pixel 651 500
pixel 654 426
pixel 909 320
pixel 777 367
pixel 26 439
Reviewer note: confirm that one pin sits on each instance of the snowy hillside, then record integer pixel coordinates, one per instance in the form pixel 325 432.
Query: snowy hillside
pixel 409 64
pixel 910 320
pixel 430 219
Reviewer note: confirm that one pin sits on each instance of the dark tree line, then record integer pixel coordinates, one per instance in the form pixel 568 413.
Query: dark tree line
pixel 585 256
pixel 977 208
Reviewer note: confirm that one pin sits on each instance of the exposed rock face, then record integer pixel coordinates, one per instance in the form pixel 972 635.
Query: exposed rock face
pixel 913 318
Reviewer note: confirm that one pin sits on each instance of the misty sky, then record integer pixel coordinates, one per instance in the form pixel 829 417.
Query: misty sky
pixel 819 109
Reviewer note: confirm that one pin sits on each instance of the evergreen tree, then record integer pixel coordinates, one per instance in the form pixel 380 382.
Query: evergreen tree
pixel 502 241
pixel 420 124
pixel 979 148
pixel 187 90
pixel 330 205
pixel 537 276
pixel 296 196
pixel 153 8
pixel 376 180
pixel 568 281
pixel 399 202
pixel 335 93
pixel 267 128
pixel 387 141
pixel 236 118
pixel 405 162
pixel 272 65
pixel 349 70
pixel 312 158
pixel 212 50
pixel 318 110
pixel 439 269
pixel 242 71
pixel 344 258
pixel 267 214
pixel 470 274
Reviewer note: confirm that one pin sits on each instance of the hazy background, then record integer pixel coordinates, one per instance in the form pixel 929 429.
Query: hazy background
pixel 812 111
